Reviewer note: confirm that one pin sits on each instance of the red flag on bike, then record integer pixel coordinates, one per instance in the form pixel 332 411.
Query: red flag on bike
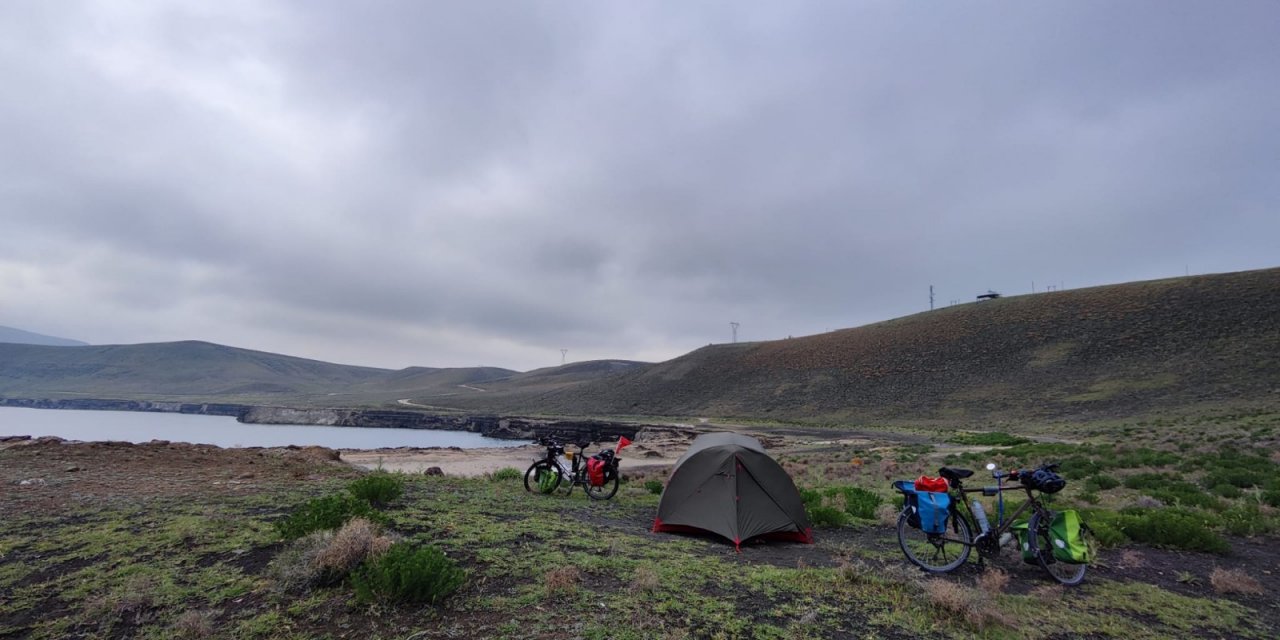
pixel 622 442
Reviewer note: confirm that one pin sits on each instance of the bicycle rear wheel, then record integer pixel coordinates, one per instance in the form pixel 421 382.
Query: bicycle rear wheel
pixel 604 491
pixel 542 477
pixel 936 553
pixel 1042 545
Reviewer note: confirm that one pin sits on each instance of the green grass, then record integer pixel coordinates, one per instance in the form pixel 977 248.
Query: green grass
pixel 135 568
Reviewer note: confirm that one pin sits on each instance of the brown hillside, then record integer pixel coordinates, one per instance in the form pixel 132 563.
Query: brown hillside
pixel 1098 352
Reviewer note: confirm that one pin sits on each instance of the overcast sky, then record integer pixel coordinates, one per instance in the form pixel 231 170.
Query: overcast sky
pixel 486 183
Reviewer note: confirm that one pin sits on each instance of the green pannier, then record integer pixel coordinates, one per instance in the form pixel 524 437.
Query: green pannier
pixel 1066 536
pixel 1019 529
pixel 548 480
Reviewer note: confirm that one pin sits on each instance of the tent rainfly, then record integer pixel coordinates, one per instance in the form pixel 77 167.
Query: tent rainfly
pixel 726 484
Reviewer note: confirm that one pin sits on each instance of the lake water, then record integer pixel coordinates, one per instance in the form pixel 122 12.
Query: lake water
pixel 139 426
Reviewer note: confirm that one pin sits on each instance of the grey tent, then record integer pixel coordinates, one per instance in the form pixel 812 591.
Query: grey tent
pixel 726 484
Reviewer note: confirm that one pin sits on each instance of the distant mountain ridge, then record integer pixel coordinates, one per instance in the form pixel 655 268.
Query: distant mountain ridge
pixel 18 336
pixel 1117 350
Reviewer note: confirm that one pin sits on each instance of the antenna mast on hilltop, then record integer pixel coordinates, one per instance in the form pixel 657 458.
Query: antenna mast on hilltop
pixel 563 352
pixel 931 297
pixel 735 331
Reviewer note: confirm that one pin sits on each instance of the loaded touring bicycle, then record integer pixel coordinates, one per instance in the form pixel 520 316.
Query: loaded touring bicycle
pixel 938 537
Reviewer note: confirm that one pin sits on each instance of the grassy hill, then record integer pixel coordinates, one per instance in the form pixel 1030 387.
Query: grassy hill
pixel 1095 353
pixel 9 334
pixel 168 370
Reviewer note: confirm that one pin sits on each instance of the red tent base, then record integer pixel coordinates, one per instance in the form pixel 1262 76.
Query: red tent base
pixel 805 536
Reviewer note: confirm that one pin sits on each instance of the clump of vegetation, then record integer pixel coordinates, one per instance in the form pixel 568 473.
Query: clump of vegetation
pixel 654 486
pixel 1100 482
pixel 1234 581
pixel 405 573
pixel 343 551
pixel 1175 528
pixel 833 506
pixel 972 606
pixel 328 512
pixel 378 488
pixel 645 580
pixel 327 557
pixel 860 503
pixel 823 516
pixel 561 581
pixel 993 581
pixel 506 474
pixel 989 439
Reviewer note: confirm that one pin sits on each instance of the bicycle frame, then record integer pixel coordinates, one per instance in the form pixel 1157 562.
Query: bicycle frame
pixel 1002 524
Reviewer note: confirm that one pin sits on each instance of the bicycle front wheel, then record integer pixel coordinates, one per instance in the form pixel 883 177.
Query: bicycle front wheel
pixel 1041 545
pixel 935 552
pixel 542 477
pixel 604 491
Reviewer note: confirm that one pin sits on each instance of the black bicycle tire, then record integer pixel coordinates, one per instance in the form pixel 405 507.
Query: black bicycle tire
pixel 600 493
pixel 1037 533
pixel 965 543
pixel 530 481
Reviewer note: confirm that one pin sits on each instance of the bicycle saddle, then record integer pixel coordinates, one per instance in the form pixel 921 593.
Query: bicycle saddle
pixel 954 475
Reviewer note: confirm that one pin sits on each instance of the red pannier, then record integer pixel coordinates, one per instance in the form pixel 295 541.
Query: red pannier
pixel 931 485
pixel 595 471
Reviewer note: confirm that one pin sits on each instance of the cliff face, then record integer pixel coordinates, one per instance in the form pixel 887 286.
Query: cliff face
pixel 512 428
pixel 95 404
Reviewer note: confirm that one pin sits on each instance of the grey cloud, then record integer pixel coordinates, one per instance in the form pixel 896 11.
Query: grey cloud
pixel 486 183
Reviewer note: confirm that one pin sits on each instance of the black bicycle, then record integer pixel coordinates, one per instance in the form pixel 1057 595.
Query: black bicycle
pixel 561 470
pixel 950 549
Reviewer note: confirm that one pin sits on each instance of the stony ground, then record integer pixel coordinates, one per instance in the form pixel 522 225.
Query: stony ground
pixel 791 589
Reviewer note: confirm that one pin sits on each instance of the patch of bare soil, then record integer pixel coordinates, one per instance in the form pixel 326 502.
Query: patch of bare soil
pixel 51 473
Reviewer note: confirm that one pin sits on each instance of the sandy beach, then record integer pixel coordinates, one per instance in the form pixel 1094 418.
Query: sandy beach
pixel 639 457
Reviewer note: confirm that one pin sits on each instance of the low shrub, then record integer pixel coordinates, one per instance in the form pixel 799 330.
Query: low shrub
pixel 328 512
pixel 1271 497
pixel 1100 483
pixel 1185 494
pixel 654 486
pixel 561 581
pixel 351 545
pixel 1225 490
pixel 822 516
pixel 378 488
pixel 1234 581
pixel 1174 528
pixel 407 574
pixel 989 439
pixel 506 474
pixel 810 497
pixel 860 503
pixel 326 557
pixel 1247 520
pixel 1148 480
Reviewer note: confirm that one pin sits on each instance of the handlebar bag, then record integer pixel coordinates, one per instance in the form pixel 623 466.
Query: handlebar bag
pixel 1066 535
pixel 595 471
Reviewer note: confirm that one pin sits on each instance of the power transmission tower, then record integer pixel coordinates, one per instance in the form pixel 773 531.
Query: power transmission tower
pixel 735 331
pixel 563 352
